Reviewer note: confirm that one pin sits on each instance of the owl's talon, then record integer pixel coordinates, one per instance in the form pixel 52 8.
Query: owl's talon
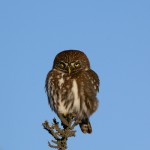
pixel 63 120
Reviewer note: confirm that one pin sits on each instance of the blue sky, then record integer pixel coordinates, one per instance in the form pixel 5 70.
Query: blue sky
pixel 115 35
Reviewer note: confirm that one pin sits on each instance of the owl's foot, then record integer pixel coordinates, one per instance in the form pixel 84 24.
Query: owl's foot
pixel 63 119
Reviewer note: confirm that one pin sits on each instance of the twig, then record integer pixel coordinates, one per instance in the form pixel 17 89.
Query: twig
pixel 61 135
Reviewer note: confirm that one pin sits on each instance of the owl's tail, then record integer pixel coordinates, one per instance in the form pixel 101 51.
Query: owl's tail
pixel 86 126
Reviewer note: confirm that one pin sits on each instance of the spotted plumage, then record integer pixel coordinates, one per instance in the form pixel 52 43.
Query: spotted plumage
pixel 72 86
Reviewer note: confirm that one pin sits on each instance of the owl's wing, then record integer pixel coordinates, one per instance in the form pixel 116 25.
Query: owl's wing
pixel 46 81
pixel 94 77
pixel 90 85
pixel 47 89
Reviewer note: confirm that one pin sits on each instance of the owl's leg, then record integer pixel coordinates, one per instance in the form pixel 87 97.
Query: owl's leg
pixel 86 126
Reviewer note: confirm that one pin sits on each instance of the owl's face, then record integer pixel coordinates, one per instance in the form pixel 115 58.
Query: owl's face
pixel 71 61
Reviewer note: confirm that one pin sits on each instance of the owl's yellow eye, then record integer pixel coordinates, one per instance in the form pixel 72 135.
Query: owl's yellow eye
pixel 77 65
pixel 62 65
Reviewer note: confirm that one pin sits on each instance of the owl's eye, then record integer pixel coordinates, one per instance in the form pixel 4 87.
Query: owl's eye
pixel 61 65
pixel 77 65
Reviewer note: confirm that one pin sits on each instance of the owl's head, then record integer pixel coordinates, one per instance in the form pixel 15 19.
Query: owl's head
pixel 71 61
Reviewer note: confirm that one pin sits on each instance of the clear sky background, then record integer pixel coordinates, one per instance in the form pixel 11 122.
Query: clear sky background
pixel 114 34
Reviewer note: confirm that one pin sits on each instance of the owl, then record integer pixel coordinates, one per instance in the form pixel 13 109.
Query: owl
pixel 72 86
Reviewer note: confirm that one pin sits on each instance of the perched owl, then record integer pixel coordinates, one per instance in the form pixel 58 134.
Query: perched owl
pixel 72 86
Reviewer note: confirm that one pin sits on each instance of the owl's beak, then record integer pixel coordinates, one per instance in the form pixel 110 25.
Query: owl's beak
pixel 69 70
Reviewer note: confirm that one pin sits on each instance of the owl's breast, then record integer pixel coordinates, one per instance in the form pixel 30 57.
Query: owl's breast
pixel 68 101
pixel 61 93
pixel 71 95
